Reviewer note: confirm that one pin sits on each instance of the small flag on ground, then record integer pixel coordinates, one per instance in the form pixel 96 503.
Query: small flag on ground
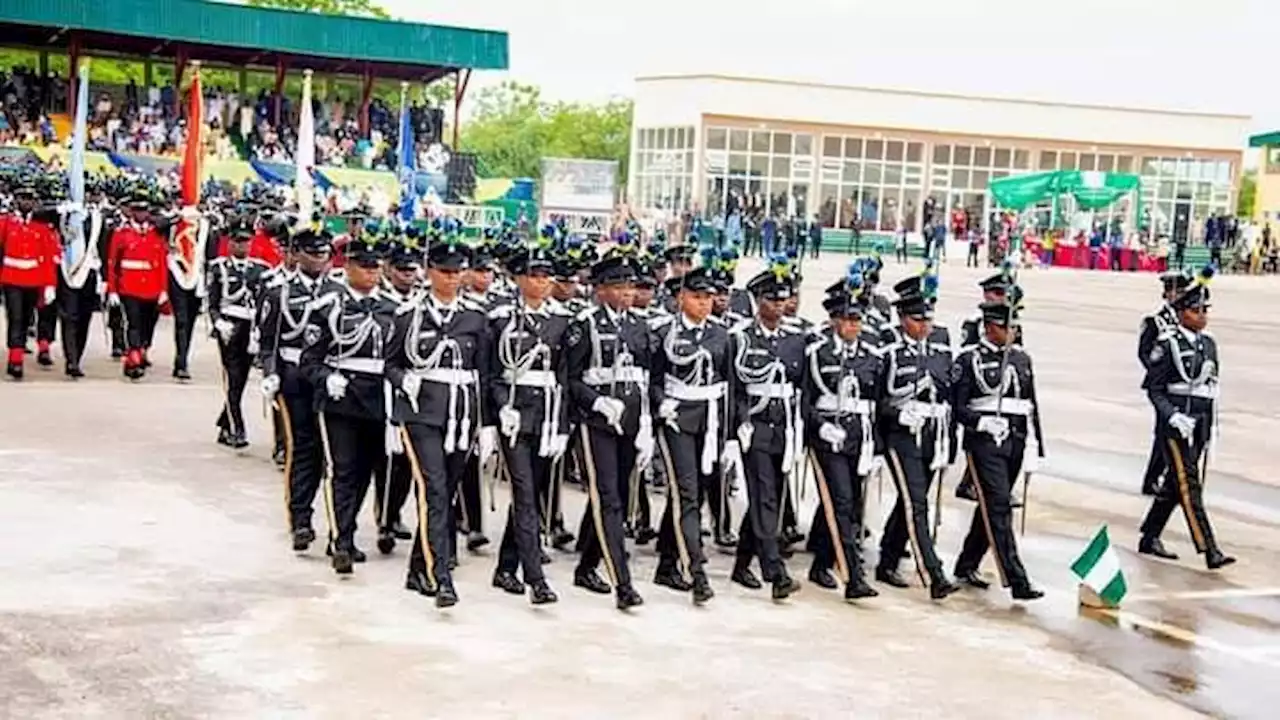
pixel 1098 568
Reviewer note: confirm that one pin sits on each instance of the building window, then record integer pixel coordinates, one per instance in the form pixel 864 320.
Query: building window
pixel 871 183
pixel 1201 185
pixel 770 174
pixel 664 167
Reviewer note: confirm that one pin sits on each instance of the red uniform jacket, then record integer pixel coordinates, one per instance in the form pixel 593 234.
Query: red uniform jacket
pixel 261 247
pixel 31 251
pixel 137 263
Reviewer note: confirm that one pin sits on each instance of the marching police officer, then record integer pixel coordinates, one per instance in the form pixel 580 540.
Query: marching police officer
pixel 438 365
pixel 995 289
pixel 915 422
pixel 688 378
pixel 644 306
pixel 233 286
pixel 1155 326
pixel 527 403
pixel 79 291
pixel 343 360
pixel 1182 384
pixel 285 317
pixel 841 386
pixel 765 384
pixel 31 251
pixel 995 402
pixel 137 280
pixel 607 354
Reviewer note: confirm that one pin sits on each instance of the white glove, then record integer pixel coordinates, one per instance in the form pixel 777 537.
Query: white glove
pixel 667 410
pixel 50 295
pixel 644 448
pixel 394 442
pixel 411 385
pixel 611 408
pixel 509 421
pixel 113 300
pixel 1031 462
pixel 868 466
pixel 487 444
pixel 101 289
pixel 911 420
pixel 335 385
pixel 1184 424
pixel 225 329
pixel 996 427
pixel 559 444
pixel 832 433
pixel 745 431
pixel 731 456
pixel 163 299
pixel 270 386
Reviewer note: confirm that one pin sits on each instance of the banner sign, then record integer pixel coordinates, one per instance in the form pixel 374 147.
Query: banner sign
pixel 579 184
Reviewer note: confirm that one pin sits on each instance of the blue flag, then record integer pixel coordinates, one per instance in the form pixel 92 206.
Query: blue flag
pixel 406 159
pixel 74 225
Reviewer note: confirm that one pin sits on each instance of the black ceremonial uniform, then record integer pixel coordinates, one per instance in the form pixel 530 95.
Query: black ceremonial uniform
pixel 607 356
pixel 343 361
pixel 79 294
pixel 438 365
pixel 998 415
pixel 393 470
pixel 1153 330
pixel 285 316
pixel 233 285
pixel 468 510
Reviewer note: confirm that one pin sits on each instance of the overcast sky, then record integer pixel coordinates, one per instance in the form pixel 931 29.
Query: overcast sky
pixel 1212 55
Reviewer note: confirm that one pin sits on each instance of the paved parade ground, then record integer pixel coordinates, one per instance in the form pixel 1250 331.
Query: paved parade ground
pixel 146 571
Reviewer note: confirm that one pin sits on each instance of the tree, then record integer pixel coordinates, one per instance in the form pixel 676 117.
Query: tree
pixel 1248 194
pixel 513 128
pixel 364 8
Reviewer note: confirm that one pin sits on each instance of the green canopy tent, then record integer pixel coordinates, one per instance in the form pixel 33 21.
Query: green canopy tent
pixel 1090 190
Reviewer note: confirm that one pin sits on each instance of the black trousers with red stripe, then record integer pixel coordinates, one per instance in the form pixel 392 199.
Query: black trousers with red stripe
pixel 606 461
pixel 993 470
pixel 1183 487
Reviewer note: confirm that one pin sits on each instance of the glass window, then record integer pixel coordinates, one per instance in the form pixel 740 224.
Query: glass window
pixel 959 178
pixel 1002 158
pixel 828 205
pixel 681 141
pixel 778 196
pixel 781 166
pixel 1203 191
pixel 688 162
pixel 853 147
pixel 997 174
pixel 1067 161
pixel 913 176
pixel 1107 163
pixel 982 157
pixel 804 145
pixel 1048 160
pixel 1168 166
pixel 1208 169
pixel 889 206
pixel 1021 160
pixel 1165 190
pixel 782 143
pixel 1124 163
pixel 738 140
pixel 980 179
pixel 875 149
pixel 759 141
pixel 716 138
pixel 852 171
pixel 671 139
pixel 872 173
pixel 1150 166
pixel 831 146
pixel 660 139
pixel 760 165
pixel 1088 162
pixel 892 174
pixel 895 148
pixel 942 154
pixel 963 155
pixel 915 152
pixel 737 162
pixel 910 204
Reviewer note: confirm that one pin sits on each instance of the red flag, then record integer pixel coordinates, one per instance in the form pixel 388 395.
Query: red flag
pixel 188 232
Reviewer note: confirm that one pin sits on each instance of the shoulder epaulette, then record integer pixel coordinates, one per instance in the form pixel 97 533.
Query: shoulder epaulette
pixel 501 311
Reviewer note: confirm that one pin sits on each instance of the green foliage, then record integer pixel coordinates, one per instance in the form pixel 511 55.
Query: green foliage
pixel 1248 194
pixel 513 128
pixel 366 8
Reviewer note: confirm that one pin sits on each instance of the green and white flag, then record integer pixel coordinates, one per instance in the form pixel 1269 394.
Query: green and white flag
pixel 1098 568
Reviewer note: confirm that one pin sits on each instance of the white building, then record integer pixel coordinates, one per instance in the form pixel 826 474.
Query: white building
pixel 873 156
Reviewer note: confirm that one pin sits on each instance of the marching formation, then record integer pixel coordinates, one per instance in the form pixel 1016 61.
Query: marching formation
pixel 430 366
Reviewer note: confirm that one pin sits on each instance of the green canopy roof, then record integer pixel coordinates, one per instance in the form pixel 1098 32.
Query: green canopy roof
pixel 151 25
pixel 1092 190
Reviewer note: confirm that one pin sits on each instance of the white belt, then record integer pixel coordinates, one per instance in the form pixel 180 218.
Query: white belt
pixel 677 390
pixel 531 378
pixel 135 265
pixel 291 355
pixel 847 405
pixel 238 312
pixel 935 411
pixel 779 391
pixel 372 366
pixel 1007 406
pixel 448 376
pixel 1201 390
pixel 609 376
pixel 20 263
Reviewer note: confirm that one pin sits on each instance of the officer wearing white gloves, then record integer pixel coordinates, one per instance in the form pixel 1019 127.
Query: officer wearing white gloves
pixel 233 289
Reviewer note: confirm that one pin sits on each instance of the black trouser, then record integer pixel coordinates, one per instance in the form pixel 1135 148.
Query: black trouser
pixel 236 362
pixel 1215 256
pixel 681 455
pixel 787 506
pixel 186 308
pixel 909 520
pixel 817 247
pixel 75 308
pixel 1184 487
pixel 606 461
pixel 395 471
pixel 1179 254
pixel 19 310
pixel 639 513
pixel 352 446
pixel 993 473
pixel 549 512
pixel 47 322
pixel 140 318
pixel 758 535
pixel 712 492
pixel 468 515
pixel 972 259
pixel 1115 259
pixel 277 432
pixel 115 324
pixel 432 470
pixel 1155 462
pixel 303 452
pixel 527 472
pixel 835 537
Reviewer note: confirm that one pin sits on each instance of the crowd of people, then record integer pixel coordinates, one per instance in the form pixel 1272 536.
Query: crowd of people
pixel 409 358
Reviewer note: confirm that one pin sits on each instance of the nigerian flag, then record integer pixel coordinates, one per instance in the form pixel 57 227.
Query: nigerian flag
pixel 1098 568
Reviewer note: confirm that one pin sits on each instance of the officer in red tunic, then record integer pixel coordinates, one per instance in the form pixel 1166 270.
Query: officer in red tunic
pixel 31 254
pixel 138 279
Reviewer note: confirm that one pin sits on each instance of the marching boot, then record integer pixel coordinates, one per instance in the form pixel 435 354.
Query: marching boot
pixel 940 587
pixel 540 593
pixel 74 372
pixel 858 589
pixel 1151 545
pixel 181 374
pixel 590 581
pixel 43 358
pixel 1215 559
pixel 891 576
pixel 476 540
pixel 508 582
pixel 743 576
pixel 1023 590
pixel 14 368
pixel 418 582
pixel 972 579
pixel 446 596
pixel 669 576
pixel 278 457
pixel 822 578
pixel 386 541
pixel 358 556
pixel 543 557
pixel 400 531
pixel 628 597
pixel 560 539
pixel 302 538
pixel 965 489
pixel 645 535
pixel 702 592
pixel 726 540
pixel 342 562
pixel 238 440
pixel 784 586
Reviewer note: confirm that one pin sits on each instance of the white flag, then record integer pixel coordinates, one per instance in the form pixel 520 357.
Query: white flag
pixel 305 157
